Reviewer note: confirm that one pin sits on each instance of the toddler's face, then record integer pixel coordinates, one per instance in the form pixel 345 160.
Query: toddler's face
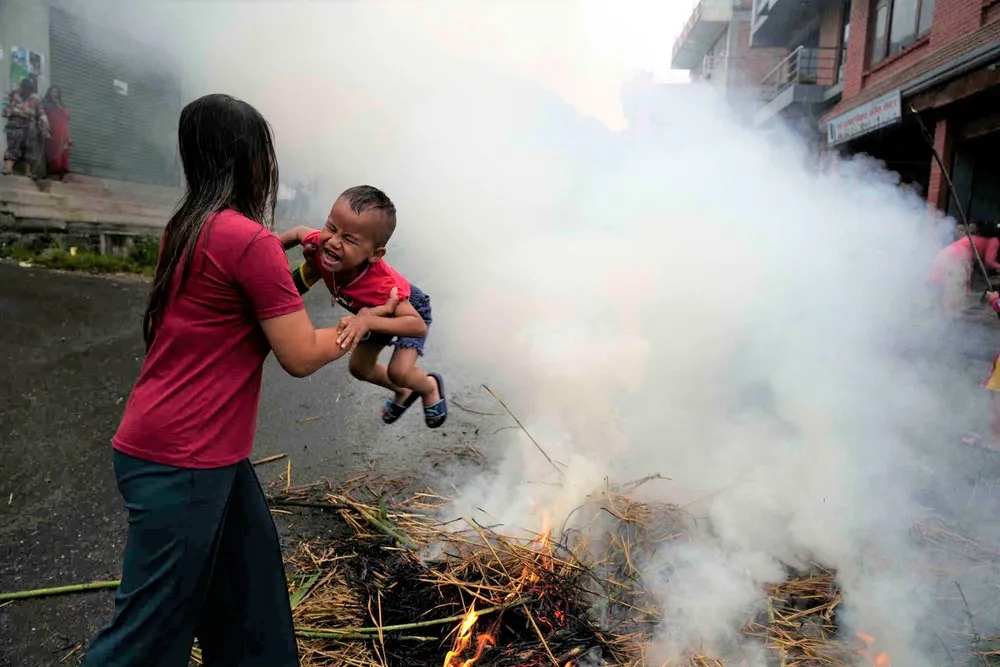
pixel 348 239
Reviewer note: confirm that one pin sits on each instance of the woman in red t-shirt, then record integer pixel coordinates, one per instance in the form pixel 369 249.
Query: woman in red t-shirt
pixel 202 558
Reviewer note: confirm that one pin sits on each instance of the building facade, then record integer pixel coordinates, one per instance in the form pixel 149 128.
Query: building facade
pixel 922 73
pixel 890 78
pixel 124 98
pixel 809 81
pixel 715 46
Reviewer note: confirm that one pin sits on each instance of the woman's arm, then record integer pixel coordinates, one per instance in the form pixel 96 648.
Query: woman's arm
pixel 299 347
pixel 266 283
pixel 990 257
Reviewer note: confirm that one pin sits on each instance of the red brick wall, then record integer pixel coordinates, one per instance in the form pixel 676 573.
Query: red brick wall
pixel 753 63
pixel 829 27
pixel 829 42
pixel 937 190
pixel 991 11
pixel 857 48
pixel 952 19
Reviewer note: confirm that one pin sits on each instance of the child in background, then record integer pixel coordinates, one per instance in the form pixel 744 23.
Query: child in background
pixel 952 268
pixel 387 309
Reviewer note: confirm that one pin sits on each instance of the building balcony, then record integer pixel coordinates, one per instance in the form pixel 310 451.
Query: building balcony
pixel 773 21
pixel 703 29
pixel 806 76
pixel 711 68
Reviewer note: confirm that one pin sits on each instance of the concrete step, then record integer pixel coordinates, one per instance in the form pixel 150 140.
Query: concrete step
pixel 58 218
pixel 93 188
pixel 154 196
pixel 17 183
pixel 85 207
pixel 142 191
pixel 20 196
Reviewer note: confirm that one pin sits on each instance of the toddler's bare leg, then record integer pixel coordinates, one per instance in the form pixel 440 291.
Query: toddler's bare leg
pixel 404 372
pixel 364 366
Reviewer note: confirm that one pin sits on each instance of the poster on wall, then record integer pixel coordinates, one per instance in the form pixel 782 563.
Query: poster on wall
pixel 35 65
pixel 18 65
pixel 25 63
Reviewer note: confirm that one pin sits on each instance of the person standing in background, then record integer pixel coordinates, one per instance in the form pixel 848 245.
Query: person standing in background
pixel 58 145
pixel 26 127
pixel 951 272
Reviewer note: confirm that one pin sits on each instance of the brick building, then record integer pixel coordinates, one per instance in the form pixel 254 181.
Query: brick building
pixel 809 81
pixel 932 61
pixel 715 46
pixel 859 76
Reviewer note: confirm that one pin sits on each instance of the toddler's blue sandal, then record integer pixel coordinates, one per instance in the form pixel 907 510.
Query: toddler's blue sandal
pixel 392 410
pixel 435 415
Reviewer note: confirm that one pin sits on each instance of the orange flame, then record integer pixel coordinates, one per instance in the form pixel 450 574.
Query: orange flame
pixel 880 659
pixel 464 638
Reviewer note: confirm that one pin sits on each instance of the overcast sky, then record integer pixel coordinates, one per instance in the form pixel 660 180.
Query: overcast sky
pixel 582 50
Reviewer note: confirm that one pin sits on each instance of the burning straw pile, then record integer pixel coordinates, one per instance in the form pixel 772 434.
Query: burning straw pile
pixel 401 589
pixel 395 587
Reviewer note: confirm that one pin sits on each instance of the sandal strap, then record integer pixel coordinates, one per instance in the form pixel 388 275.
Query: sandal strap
pixel 438 409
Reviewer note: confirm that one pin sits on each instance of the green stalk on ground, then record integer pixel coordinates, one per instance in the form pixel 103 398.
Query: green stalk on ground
pixel 59 590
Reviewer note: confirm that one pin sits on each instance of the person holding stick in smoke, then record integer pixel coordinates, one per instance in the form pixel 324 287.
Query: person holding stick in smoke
pixel 202 557
pixel 348 255
pixel 951 271
pixel 975 254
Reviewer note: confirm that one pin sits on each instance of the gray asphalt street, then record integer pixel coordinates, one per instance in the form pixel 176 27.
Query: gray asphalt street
pixel 71 348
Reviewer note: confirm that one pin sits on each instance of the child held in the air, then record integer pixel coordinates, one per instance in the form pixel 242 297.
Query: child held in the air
pixel 387 309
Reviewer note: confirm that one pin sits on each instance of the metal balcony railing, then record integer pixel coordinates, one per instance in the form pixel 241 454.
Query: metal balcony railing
pixel 711 64
pixel 806 66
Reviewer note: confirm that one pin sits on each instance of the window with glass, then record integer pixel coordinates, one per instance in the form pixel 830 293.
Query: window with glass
pixel 896 24
pixel 845 37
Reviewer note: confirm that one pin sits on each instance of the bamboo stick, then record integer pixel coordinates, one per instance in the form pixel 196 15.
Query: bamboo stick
pixel 269 459
pixel 383 526
pixel 60 590
pixel 372 632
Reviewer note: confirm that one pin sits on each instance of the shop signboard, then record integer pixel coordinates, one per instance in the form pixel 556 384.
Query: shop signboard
pixel 874 115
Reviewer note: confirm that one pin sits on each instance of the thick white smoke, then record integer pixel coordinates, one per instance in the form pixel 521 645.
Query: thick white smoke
pixel 697 301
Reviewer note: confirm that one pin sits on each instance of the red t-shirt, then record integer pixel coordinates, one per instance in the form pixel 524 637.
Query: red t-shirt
pixel 369 290
pixel 195 403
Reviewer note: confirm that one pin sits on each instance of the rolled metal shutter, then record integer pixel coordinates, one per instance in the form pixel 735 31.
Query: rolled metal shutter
pixel 129 137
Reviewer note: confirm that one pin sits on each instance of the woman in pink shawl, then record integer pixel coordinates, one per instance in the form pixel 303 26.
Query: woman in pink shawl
pixel 952 268
pixel 59 143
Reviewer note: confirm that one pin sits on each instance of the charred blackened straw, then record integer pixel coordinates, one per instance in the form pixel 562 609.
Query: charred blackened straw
pixel 958 204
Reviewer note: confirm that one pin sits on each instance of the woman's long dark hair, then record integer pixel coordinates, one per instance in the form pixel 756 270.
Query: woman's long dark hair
pixel 53 98
pixel 227 150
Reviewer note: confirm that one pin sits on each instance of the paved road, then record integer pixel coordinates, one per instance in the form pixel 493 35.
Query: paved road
pixel 70 349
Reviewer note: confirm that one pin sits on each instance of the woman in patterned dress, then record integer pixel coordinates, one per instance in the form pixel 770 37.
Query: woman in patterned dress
pixel 27 127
